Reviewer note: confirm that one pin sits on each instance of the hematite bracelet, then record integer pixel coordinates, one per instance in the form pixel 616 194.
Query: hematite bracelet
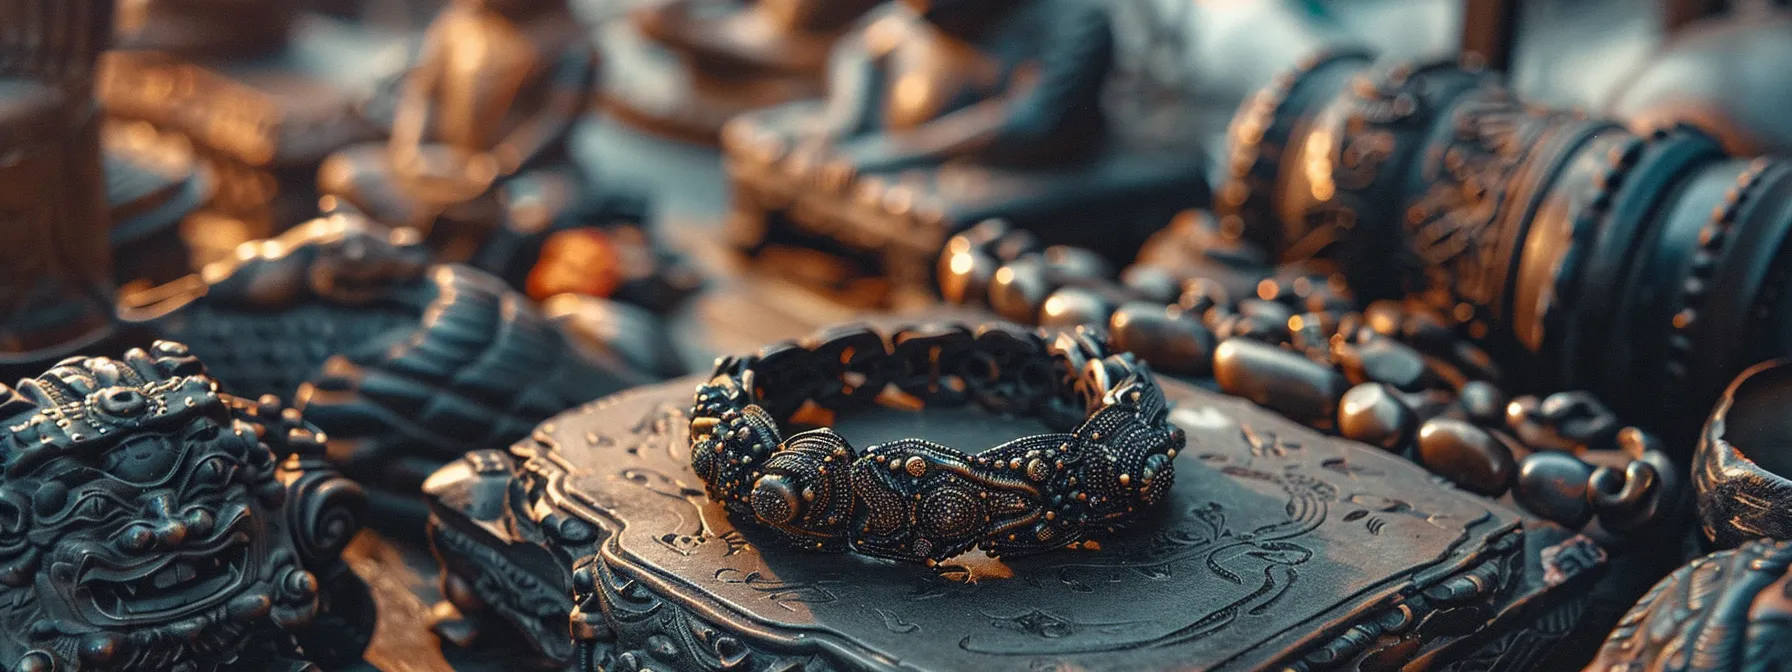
pixel 916 500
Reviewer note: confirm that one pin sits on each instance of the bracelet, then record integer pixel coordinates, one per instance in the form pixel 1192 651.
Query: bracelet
pixel 918 501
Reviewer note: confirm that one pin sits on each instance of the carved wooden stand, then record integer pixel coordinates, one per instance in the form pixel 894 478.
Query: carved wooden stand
pixel 1278 548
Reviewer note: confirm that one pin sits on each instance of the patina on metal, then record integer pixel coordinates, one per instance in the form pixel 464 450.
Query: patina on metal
pixel 1259 557
pixel 149 522
pixel 1724 611
pixel 1740 470
pixel 919 501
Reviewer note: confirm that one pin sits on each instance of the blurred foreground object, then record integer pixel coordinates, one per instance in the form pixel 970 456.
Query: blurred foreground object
pixel 1728 611
pixel 239 83
pixel 404 364
pixel 56 286
pixel 1646 268
pixel 684 68
pixel 148 522
pixel 941 115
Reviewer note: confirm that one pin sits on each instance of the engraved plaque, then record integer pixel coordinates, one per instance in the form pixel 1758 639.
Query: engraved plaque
pixel 1279 547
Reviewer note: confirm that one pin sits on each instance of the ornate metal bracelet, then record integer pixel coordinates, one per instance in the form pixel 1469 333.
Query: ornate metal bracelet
pixel 919 501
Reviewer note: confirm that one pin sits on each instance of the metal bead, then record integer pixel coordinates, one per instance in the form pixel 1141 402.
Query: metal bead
pixel 1019 288
pixel 1155 284
pixel 1170 339
pixel 1467 455
pixel 1384 361
pixel 1073 306
pixel 1482 402
pixel 1374 414
pixel 1554 485
pixel 1077 263
pixel 1279 380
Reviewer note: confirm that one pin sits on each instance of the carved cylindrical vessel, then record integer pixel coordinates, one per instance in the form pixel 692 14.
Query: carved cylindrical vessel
pixel 1645 266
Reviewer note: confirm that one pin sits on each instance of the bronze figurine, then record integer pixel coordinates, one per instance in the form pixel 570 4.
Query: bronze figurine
pixel 684 68
pixel 944 114
pixel 149 522
pixel 478 158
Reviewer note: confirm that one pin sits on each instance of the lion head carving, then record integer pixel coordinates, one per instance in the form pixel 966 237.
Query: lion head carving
pixel 150 522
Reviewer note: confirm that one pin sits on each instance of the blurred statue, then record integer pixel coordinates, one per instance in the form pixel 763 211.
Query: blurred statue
pixel 478 155
pixel 1016 83
pixel 205 28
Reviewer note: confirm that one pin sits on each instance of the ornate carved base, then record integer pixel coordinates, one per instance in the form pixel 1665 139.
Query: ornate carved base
pixel 1278 548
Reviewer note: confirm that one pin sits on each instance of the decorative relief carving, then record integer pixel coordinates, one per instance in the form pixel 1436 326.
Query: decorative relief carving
pixel 1249 565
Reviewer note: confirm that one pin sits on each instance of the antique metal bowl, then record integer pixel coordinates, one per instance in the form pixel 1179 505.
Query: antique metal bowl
pixel 1740 472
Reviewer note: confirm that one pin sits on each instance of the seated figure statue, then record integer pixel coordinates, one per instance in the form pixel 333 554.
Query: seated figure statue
pixel 701 62
pixel 478 154
pixel 944 113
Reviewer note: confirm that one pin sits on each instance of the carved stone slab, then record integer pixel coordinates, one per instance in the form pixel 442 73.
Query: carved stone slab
pixel 1279 547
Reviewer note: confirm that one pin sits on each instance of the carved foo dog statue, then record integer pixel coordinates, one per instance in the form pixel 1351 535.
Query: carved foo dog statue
pixel 704 61
pixel 945 113
pixel 148 522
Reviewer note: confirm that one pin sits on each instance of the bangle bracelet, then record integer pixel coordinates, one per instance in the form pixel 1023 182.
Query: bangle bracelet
pixel 918 501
